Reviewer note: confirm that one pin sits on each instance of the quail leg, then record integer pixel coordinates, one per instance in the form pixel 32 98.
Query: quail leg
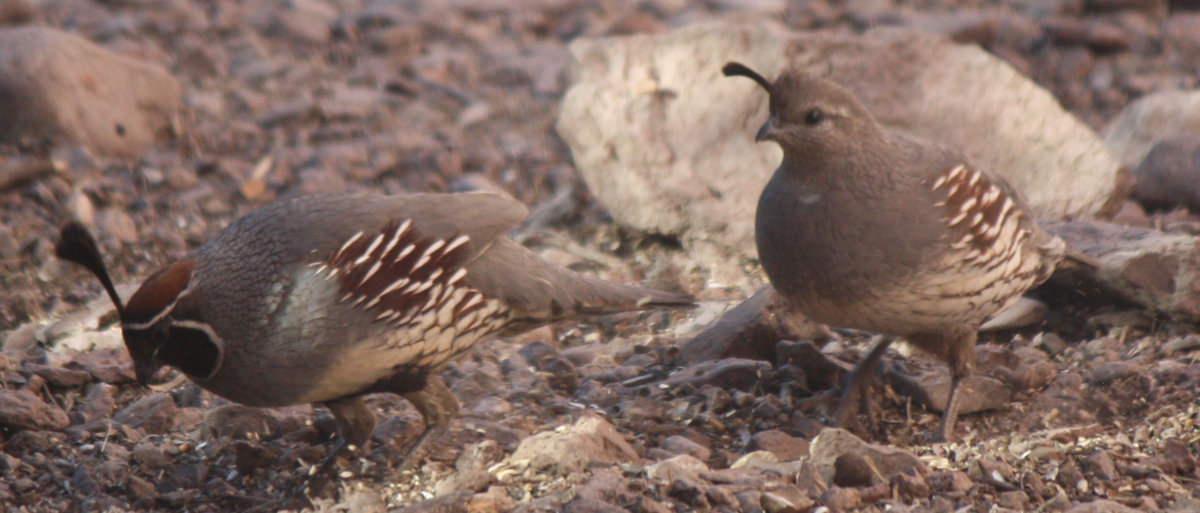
pixel 961 359
pixel 950 416
pixel 854 386
pixel 438 406
pixel 956 346
pixel 355 422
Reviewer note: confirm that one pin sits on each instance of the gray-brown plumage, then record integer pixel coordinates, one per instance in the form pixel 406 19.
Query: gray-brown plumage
pixel 860 228
pixel 325 298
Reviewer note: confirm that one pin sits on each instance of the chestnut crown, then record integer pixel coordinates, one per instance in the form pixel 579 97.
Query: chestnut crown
pixel 153 335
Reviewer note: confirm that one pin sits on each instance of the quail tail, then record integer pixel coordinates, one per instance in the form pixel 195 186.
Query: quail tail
pixel 555 292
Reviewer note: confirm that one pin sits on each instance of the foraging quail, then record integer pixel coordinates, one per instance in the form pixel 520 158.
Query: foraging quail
pixel 326 298
pixel 860 228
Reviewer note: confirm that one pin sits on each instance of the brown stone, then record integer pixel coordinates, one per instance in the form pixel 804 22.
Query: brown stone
pixel 1101 465
pixel 726 373
pixel 238 421
pixel 60 377
pixel 751 330
pixel 65 88
pixel 834 444
pixel 785 446
pixel 1147 267
pixel 154 413
pixel 24 410
pixel 977 392
pixel 589 440
pixel 1101 506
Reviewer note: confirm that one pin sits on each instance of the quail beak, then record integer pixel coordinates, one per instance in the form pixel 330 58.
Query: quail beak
pixel 146 368
pixel 767 131
pixel 145 371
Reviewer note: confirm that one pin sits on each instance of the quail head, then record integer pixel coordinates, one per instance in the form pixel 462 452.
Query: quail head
pixel 323 299
pixel 861 228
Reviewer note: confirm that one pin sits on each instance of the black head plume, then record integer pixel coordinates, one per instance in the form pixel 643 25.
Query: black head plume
pixel 75 244
pixel 732 69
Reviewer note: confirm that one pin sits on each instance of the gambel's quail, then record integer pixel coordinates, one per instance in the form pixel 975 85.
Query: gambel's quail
pixel 326 298
pixel 860 228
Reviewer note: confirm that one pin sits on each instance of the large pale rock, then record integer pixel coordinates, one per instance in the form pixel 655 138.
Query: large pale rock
pixel 1157 270
pixel 834 444
pixel 1101 506
pixel 1150 119
pixel 61 87
pixel 978 393
pixel 667 143
pixel 570 449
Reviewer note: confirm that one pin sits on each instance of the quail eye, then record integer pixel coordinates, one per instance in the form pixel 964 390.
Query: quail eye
pixel 160 334
pixel 813 116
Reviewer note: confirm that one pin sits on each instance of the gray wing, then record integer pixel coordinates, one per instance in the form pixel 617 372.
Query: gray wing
pixel 253 265
pixel 311 228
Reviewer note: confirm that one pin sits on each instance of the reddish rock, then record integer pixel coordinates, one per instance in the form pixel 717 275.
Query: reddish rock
pixel 785 446
pixel 1176 457
pixel 841 499
pixel 676 444
pixel 911 486
pixel 111 366
pixel 98 402
pixel 238 421
pixel 1101 506
pixel 153 414
pixel 24 410
pixel 60 377
pixel 837 450
pixel 59 86
pixel 1101 465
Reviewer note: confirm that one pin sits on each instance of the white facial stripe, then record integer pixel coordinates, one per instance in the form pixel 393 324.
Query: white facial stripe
pixel 201 326
pixel 212 335
pixel 145 325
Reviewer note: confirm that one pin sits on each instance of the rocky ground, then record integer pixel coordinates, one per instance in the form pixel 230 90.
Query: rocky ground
pixel 1092 411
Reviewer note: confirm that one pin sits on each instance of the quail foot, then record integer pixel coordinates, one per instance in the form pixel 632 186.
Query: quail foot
pixel 323 299
pixel 861 228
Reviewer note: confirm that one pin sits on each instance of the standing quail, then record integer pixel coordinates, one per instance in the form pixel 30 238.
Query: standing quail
pixel 860 228
pixel 325 298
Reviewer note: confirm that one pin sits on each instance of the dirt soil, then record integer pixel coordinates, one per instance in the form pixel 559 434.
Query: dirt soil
pixel 286 97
